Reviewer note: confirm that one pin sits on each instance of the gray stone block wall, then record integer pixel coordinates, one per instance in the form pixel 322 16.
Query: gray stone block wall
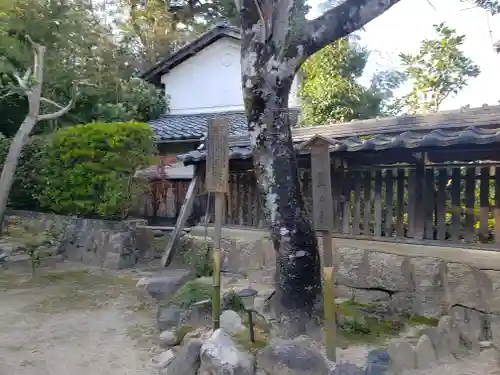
pixel 104 243
pixel 417 280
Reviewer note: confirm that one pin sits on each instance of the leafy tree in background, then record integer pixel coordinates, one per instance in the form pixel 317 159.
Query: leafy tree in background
pixel 331 92
pixel 438 70
pixel 81 46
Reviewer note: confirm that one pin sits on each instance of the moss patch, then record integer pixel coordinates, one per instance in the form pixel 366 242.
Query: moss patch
pixel 190 293
pixel 355 327
pixel 242 339
pixel 422 320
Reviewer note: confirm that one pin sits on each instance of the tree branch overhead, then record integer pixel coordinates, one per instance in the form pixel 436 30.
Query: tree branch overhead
pixel 341 21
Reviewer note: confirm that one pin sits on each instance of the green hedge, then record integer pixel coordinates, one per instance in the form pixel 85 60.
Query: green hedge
pixel 89 168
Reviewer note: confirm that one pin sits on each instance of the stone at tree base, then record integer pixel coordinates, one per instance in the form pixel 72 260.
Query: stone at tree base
pixel 378 362
pixel 402 354
pixel 219 355
pixel 168 318
pixel 292 357
pixel 469 324
pixel 187 360
pixel 231 322
pixel 167 339
pixel 163 360
pixel 450 335
pixel 164 284
pixel 374 369
pixel 424 352
pixel 202 333
pixel 347 369
pixel 439 342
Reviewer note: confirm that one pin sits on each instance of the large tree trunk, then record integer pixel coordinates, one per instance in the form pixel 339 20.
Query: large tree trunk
pixel 12 160
pixel 298 278
pixel 276 40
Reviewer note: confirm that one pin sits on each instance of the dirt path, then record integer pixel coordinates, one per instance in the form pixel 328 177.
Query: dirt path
pixel 71 321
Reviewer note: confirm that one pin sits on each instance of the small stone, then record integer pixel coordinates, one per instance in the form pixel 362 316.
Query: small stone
pixel 424 352
pixel 485 344
pixel 219 355
pixel 438 341
pixel 231 322
pixel 168 338
pixel 375 369
pixel 348 369
pixel 163 360
pixel 170 317
pixel 292 357
pixel 379 357
pixel 202 333
pixel 187 360
pixel 402 354
pixel 163 285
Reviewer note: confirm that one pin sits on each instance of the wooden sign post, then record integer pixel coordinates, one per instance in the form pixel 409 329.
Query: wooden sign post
pixel 323 224
pixel 216 180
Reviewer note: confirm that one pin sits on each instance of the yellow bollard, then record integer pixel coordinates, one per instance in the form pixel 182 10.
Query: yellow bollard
pixel 329 311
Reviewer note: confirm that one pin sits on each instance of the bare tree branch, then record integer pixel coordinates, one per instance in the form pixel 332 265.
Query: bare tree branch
pixel 63 110
pixel 51 102
pixel 341 21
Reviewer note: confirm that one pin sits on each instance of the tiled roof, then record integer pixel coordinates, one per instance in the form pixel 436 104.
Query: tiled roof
pixel 473 126
pixel 182 127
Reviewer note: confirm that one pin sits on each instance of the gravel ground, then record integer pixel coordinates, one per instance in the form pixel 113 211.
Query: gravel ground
pixel 72 323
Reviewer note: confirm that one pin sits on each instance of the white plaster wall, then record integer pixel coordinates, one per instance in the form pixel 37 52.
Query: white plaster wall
pixel 210 81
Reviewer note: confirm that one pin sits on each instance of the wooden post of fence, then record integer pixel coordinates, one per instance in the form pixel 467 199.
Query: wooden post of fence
pixel 216 181
pixel 323 224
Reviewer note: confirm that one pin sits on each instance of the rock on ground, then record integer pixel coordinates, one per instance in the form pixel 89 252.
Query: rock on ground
pixel 231 322
pixel 292 357
pixel 164 284
pixel 219 355
pixel 187 360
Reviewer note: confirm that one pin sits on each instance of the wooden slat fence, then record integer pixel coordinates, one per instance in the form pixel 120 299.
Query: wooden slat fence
pixel 449 203
pixel 456 204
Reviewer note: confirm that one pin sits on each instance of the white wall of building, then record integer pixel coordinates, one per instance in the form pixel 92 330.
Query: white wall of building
pixel 210 81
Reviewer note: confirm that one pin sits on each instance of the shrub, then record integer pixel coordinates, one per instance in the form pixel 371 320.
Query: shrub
pixel 89 168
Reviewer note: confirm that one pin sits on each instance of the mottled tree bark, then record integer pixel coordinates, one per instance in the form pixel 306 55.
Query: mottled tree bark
pixel 276 40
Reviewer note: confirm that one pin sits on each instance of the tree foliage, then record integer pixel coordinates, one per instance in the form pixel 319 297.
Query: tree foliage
pixel 439 69
pixel 81 46
pixel 89 168
pixel 331 92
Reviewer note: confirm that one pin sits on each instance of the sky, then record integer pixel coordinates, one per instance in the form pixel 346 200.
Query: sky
pixel 402 28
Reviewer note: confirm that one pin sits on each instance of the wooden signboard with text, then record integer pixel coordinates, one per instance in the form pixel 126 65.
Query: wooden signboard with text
pixel 321 185
pixel 217 143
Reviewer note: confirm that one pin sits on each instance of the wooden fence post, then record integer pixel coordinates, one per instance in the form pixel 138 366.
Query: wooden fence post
pixel 216 181
pixel 323 224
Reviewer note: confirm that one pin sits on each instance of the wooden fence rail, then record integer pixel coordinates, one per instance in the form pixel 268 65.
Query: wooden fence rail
pixel 440 203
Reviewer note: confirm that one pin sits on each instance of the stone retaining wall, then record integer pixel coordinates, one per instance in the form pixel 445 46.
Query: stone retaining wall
pixel 419 280
pixel 105 243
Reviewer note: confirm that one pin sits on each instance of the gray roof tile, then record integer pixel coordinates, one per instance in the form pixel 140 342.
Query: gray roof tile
pixel 182 127
pixel 460 127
